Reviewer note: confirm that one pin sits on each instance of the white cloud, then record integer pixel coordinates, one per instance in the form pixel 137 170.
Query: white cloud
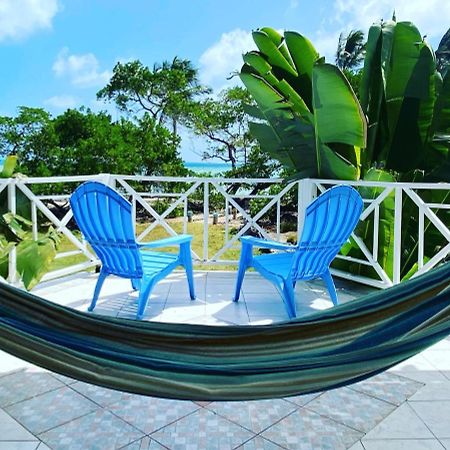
pixel 20 18
pixel 431 16
pixel 82 70
pixel 225 57
pixel 62 101
pixel 326 44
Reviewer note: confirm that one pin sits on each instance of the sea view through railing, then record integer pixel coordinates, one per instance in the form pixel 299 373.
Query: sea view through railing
pixel 207 167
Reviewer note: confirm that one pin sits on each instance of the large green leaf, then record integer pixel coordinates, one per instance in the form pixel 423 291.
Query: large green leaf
pixel 278 40
pixel 372 89
pixel 9 165
pixel 267 98
pixel 410 97
pixel 291 142
pixel 302 51
pixel 274 56
pixel 304 56
pixel 337 113
pixel 34 259
pixel 259 63
pixel 338 119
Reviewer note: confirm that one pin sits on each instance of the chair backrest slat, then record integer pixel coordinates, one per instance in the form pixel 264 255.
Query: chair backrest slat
pixel 329 221
pixel 104 218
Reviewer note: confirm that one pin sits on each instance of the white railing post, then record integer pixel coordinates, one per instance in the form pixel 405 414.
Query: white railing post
pixel 205 220
pixel 397 235
pixel 12 260
pixel 305 197
pixel 108 179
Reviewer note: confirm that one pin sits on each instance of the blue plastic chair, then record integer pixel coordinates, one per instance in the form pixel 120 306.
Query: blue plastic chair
pixel 104 218
pixel 329 221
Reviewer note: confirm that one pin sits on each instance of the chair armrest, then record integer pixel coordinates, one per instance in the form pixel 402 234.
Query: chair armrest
pixel 174 240
pixel 264 243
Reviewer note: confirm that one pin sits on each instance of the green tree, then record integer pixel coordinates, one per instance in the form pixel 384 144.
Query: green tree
pixel 82 142
pixel 20 135
pixel 224 123
pixel 168 92
pixel 350 51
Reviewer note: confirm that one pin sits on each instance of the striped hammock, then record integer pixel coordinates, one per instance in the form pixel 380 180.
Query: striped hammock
pixel 325 350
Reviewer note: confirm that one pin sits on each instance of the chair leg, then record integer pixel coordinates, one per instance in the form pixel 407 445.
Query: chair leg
pixel 186 259
pixel 331 287
pixel 136 283
pixel 246 255
pixel 288 294
pixel 144 294
pixel 101 278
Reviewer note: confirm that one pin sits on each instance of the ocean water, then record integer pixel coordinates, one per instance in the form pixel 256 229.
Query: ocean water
pixel 207 167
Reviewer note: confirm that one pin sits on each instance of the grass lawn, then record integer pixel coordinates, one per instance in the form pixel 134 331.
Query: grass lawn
pixel 216 239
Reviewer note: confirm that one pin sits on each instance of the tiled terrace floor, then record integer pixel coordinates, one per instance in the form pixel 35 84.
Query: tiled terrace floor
pixel 407 407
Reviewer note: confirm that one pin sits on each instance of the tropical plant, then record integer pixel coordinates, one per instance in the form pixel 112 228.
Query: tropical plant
pixel 408 108
pixel 350 50
pixel 34 253
pixel 406 101
pixel 443 54
pixel 308 117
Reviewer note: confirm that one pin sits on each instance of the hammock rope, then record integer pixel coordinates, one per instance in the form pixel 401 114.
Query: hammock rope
pixel 324 350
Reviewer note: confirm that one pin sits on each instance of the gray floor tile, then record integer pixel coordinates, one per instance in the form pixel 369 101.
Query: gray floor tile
pixel 254 415
pixel 440 359
pixel 351 408
pixel 402 444
pixel 149 414
pixel 26 384
pixel 304 399
pixel 259 443
pixel 439 390
pixel 389 387
pixel 145 443
pixel 202 430
pixel 11 430
pixel 307 430
pixel 403 423
pixel 422 376
pixel 357 446
pixel 10 364
pixel 97 394
pixel 99 430
pixel 66 380
pixel 436 415
pixel 15 445
pixel 43 446
pixel 51 409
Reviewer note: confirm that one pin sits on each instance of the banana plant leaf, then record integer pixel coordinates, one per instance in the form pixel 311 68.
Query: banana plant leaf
pixel 316 126
pixel 338 117
pixel 9 165
pixel 399 89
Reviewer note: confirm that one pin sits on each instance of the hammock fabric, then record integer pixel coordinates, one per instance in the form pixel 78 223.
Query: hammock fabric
pixel 322 351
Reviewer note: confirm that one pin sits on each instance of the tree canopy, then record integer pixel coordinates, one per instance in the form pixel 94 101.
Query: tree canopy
pixel 83 142
pixel 169 91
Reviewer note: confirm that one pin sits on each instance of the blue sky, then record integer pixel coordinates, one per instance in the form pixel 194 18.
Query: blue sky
pixel 58 53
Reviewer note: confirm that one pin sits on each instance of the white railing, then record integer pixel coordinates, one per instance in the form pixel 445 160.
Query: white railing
pixel 234 204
